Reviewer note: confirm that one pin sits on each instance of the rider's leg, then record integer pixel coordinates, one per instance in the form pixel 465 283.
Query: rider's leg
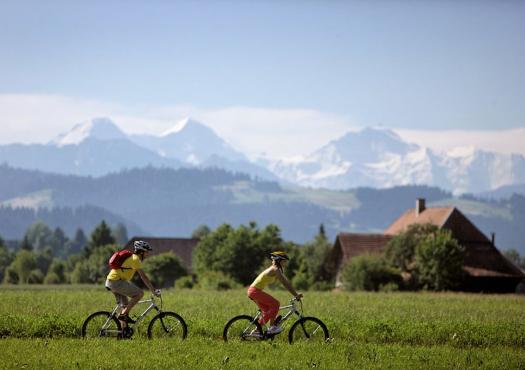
pixel 126 289
pixel 134 300
pixel 269 305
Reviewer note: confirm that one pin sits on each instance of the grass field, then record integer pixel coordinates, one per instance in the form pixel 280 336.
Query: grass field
pixel 40 326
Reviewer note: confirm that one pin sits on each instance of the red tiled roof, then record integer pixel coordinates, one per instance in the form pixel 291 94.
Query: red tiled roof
pixel 182 247
pixel 353 244
pixel 435 216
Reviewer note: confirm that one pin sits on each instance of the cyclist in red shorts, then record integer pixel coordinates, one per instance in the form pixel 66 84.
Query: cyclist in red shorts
pixel 269 305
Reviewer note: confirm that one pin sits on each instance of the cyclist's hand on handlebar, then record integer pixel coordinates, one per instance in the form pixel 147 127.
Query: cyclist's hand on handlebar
pixel 157 292
pixel 298 296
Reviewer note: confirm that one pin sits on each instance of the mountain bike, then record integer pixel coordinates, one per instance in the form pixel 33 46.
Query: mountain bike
pixel 248 328
pixel 164 324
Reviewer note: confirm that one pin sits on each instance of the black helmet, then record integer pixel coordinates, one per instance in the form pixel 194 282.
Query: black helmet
pixel 141 246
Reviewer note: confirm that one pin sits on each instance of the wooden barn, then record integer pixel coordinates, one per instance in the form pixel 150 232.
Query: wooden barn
pixel 182 247
pixel 486 268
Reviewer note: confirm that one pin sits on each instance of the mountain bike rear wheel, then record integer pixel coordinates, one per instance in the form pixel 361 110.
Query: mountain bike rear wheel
pixel 101 325
pixel 167 325
pixel 242 328
pixel 309 329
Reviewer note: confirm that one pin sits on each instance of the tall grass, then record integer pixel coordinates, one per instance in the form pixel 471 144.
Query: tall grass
pixel 399 330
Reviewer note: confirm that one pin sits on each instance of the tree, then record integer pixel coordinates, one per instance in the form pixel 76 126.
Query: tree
pixel 317 269
pixel 200 232
pixel 439 261
pixel 44 259
pixel 6 257
pixel 59 242
pixel 239 252
pixel 26 245
pixel 400 251
pixel 39 235
pixel 99 237
pixel 163 269
pixel 79 242
pixel 94 268
pixel 56 273
pixel 369 272
pixel 23 264
pixel 120 233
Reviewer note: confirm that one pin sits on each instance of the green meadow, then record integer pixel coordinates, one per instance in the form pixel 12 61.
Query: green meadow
pixel 40 328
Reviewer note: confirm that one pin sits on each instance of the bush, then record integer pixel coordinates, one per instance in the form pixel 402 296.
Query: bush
pixel 52 278
pixel 185 282
pixel 35 277
pixel 216 280
pixel 11 276
pixel 368 272
pixel 163 269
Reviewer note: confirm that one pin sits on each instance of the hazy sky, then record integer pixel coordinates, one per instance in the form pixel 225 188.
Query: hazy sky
pixel 302 72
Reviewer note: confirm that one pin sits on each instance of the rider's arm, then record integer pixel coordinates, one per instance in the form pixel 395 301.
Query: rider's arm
pixel 146 281
pixel 286 283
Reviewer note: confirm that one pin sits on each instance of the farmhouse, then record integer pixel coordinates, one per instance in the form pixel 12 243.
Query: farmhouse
pixel 182 247
pixel 486 268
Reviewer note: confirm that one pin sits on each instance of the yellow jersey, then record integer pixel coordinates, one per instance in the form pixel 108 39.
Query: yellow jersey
pixel 130 266
pixel 264 279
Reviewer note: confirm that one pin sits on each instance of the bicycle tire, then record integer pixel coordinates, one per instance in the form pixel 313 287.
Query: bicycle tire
pixel 92 326
pixel 242 328
pixel 307 329
pixel 167 325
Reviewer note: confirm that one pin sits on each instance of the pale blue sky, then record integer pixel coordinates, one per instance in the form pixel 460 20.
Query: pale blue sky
pixel 399 64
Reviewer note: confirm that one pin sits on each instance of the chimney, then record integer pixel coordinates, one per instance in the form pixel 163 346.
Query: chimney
pixel 493 238
pixel 420 206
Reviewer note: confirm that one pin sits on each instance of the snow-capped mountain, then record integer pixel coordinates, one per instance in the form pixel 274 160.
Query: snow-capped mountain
pixel 191 142
pixel 97 128
pixel 380 158
pixel 371 157
pixel 98 147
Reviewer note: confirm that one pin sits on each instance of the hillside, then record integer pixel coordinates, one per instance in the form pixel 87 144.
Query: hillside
pixel 168 202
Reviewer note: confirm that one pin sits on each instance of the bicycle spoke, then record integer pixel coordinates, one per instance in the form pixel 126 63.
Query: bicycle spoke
pixel 308 329
pixel 242 328
pixel 167 325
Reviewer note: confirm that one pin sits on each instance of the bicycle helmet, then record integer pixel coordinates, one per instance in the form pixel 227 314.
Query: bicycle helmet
pixel 141 246
pixel 279 256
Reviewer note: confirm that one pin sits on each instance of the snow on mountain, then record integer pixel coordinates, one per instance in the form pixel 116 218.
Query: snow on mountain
pixel 371 157
pixel 191 142
pixel 97 128
pixel 380 158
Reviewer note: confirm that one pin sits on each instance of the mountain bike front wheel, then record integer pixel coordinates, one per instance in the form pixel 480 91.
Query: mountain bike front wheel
pixel 309 329
pixel 101 325
pixel 242 328
pixel 167 325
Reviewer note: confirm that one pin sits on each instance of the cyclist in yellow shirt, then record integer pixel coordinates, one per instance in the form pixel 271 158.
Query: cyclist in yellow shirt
pixel 118 280
pixel 269 305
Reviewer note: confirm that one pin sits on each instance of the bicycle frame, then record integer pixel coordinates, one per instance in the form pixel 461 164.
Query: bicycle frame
pixel 291 310
pixel 118 307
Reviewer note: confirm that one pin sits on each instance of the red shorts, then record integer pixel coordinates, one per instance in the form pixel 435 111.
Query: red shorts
pixel 269 305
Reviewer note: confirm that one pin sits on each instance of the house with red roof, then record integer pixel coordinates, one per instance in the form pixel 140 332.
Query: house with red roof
pixel 487 270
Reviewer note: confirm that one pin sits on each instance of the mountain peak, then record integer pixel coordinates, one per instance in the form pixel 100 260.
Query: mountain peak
pixel 186 124
pixel 100 128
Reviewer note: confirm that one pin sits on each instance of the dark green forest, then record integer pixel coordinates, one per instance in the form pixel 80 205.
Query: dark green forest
pixel 168 202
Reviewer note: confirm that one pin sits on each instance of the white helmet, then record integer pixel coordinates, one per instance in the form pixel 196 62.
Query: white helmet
pixel 141 246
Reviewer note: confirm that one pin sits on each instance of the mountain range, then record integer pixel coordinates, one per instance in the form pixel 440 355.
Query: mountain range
pixel 371 157
pixel 174 202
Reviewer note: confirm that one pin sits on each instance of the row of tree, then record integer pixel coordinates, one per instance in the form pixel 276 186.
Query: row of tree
pixel 424 257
